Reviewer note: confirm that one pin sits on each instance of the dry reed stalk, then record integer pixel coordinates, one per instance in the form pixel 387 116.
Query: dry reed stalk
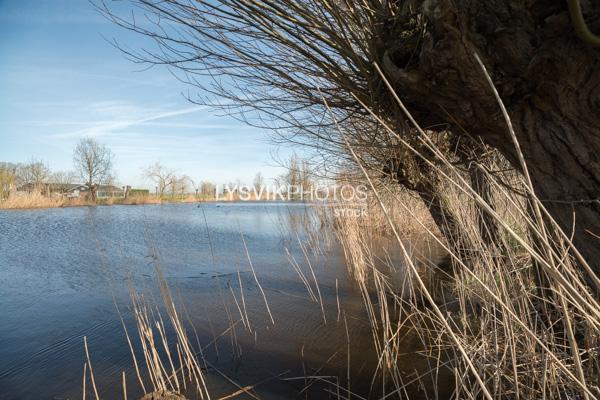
pixel 303 278
pixel 499 345
pixel 312 272
pixel 243 301
pixel 133 356
pixel 337 299
pixel 256 278
pixel 237 304
pixel 124 387
pixel 87 355
pixel 84 379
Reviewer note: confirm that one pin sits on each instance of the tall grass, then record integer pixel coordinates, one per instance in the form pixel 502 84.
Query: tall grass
pixel 519 344
pixel 485 319
pixel 131 200
pixel 170 365
pixel 515 319
pixel 37 200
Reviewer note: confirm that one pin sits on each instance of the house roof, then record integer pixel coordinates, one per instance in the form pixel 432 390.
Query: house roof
pixel 109 188
pixel 73 186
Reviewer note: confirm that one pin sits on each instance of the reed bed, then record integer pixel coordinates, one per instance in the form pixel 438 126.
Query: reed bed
pixel 171 366
pixel 484 318
pixel 512 319
pixel 37 200
pixel 487 317
pixel 131 200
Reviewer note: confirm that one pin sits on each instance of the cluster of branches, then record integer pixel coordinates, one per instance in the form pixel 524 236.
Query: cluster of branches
pixel 324 74
pixel 93 164
pixel 303 68
pixel 167 180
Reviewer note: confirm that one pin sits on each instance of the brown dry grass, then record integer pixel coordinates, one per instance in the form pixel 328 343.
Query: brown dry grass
pixel 172 365
pixel 499 333
pixel 504 338
pixel 132 200
pixel 37 200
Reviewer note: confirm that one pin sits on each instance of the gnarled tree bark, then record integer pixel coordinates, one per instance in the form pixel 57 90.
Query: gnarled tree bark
pixel 548 78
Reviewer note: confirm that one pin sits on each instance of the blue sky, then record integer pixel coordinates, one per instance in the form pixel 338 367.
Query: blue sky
pixel 60 81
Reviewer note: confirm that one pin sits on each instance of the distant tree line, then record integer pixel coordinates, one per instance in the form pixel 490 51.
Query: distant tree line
pixel 34 174
pixel 92 164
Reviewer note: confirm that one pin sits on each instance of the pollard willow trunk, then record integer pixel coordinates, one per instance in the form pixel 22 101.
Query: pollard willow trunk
pixel 549 80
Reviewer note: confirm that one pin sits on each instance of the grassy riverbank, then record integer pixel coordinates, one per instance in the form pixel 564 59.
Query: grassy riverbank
pixel 36 200
pixel 512 318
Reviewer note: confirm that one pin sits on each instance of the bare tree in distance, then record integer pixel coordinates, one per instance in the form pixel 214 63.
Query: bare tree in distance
pixel 180 185
pixel 259 182
pixel 162 177
pixel 62 179
pixel 207 189
pixel 35 173
pixel 93 163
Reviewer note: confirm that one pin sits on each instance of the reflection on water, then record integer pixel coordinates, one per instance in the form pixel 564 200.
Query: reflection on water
pixel 62 269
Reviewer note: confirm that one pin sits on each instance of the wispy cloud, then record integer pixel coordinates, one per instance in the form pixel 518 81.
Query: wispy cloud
pixel 61 81
pixel 106 128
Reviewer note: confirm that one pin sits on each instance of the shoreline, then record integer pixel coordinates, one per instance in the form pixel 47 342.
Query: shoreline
pixel 129 202
pixel 19 204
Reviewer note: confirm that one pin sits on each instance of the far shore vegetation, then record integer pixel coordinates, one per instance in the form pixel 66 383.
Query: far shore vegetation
pixel 34 185
pixel 39 200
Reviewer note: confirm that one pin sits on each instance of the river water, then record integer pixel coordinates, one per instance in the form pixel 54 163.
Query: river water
pixel 63 272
